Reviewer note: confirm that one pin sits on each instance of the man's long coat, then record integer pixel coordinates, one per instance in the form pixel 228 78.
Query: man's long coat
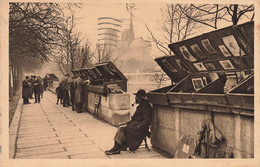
pixel 26 89
pixel 137 129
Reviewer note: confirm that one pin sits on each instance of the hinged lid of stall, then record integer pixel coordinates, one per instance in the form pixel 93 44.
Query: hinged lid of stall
pixel 228 50
pixel 104 74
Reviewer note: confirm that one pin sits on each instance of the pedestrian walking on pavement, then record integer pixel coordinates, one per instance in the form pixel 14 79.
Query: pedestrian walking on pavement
pixel 72 92
pixel 59 94
pixel 65 91
pixel 37 90
pixel 41 86
pixel 131 134
pixel 45 82
pixel 79 93
pixel 26 90
pixel 31 80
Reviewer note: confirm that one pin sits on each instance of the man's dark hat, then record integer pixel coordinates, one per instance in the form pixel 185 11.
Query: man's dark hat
pixel 141 93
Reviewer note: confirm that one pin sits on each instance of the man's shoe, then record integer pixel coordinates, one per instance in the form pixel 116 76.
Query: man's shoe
pixel 124 148
pixel 112 152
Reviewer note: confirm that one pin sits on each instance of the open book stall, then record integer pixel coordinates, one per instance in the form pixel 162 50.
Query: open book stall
pixel 106 96
pixel 212 80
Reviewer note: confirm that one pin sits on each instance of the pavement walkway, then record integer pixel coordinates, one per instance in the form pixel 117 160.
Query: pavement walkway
pixel 49 131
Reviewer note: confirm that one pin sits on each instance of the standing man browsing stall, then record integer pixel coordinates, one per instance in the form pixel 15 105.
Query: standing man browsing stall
pixel 79 93
pixel 65 91
pixel 132 133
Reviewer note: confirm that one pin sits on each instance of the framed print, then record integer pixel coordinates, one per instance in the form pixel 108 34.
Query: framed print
pixel 206 44
pixel 186 54
pixel 231 43
pixel 167 65
pixel 197 83
pixel 227 65
pixel 224 51
pixel 197 51
pixel 210 66
pixel 200 66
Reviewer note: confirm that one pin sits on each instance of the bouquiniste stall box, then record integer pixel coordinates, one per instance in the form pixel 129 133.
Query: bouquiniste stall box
pixel 105 95
pixel 213 79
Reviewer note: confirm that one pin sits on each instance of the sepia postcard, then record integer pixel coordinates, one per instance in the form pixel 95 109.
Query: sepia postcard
pixel 129 83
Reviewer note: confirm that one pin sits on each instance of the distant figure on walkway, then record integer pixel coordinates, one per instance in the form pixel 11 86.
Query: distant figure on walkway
pixel 45 82
pixel 72 92
pixel 79 94
pixel 132 133
pixel 26 90
pixel 31 80
pixel 37 90
pixel 41 85
pixel 65 91
pixel 59 94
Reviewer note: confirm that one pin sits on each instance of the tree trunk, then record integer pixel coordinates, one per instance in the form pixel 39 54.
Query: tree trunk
pixel 234 17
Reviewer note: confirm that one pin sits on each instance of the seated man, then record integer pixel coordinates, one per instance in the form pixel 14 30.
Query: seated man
pixel 132 133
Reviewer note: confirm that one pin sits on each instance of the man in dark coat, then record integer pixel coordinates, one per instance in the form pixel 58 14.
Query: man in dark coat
pixel 72 92
pixel 136 129
pixel 45 82
pixel 37 90
pixel 59 94
pixel 26 90
pixel 79 93
pixel 31 80
pixel 65 91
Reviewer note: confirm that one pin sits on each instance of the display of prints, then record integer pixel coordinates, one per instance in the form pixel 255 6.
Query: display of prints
pixel 210 66
pixel 224 51
pixel 231 43
pixel 200 66
pixel 186 54
pixel 208 46
pixel 197 83
pixel 167 65
pixel 227 65
pixel 197 51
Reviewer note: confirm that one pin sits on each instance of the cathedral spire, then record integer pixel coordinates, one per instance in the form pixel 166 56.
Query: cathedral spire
pixel 130 35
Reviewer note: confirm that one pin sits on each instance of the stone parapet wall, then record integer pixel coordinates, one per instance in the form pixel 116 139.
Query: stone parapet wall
pixel 170 123
pixel 114 108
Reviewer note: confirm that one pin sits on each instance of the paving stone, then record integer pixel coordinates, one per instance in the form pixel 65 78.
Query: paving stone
pixel 90 156
pixel 53 155
pixel 30 140
pixel 35 135
pixel 76 143
pixel 41 149
pixel 70 140
pixel 37 143
pixel 82 149
pixel 78 134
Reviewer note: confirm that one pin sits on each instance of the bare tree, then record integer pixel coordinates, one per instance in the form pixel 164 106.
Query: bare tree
pixel 35 29
pixel 211 14
pixel 159 77
pixel 68 52
pixel 104 54
pixel 84 56
pixel 176 26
